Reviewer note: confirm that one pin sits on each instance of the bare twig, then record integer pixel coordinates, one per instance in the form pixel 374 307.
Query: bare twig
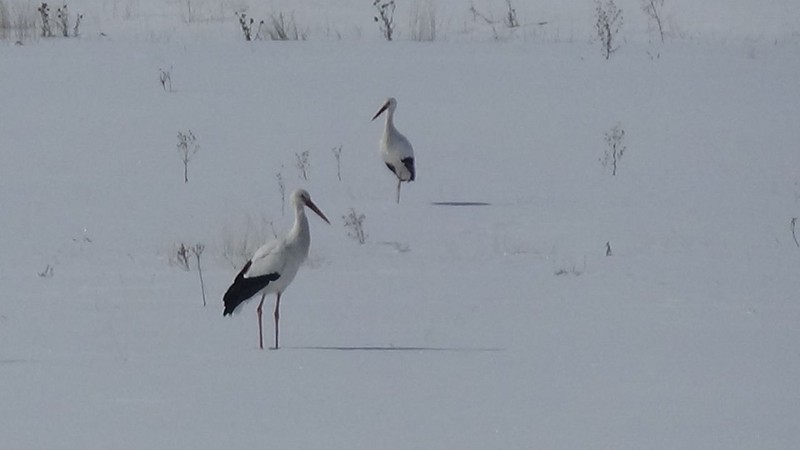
pixel 198 250
pixel 282 190
pixel 303 164
pixel 77 25
pixel 478 15
pixel 653 10
pixel 511 16
pixel 337 153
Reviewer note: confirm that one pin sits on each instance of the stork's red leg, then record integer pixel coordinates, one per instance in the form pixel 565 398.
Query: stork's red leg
pixel 277 317
pixel 260 333
pixel 398 189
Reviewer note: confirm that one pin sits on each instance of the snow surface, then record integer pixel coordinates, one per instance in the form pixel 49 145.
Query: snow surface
pixel 482 312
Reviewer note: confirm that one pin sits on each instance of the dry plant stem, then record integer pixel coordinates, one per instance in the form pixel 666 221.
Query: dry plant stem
pixel 198 250
pixel 337 153
pixel 653 10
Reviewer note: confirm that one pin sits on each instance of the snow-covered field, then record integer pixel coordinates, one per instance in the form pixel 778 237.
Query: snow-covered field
pixel 482 311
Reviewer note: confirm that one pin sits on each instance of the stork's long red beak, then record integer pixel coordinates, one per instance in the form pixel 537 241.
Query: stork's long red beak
pixel 380 111
pixel 314 208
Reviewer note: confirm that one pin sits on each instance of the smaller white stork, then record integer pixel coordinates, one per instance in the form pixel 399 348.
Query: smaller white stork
pixel 273 267
pixel 396 150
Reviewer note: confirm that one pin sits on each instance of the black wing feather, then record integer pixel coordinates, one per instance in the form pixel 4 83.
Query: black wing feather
pixel 244 288
pixel 409 163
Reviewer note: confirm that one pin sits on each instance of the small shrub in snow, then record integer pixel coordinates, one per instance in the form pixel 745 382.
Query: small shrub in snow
pixel 5 22
pixel 19 20
pixel 608 26
pixel 385 17
pixel 354 222
pixel 399 247
pixel 510 18
pixel 423 21
pixel 284 28
pixel 303 164
pixel 794 233
pixel 247 25
pixel 615 141
pixel 571 269
pixel 187 148
pixel 337 154
pixel 180 257
pixel 332 32
pixel 44 13
pixel 47 272
pixel 165 77
pixel 190 15
pixel 63 22
pixel 76 27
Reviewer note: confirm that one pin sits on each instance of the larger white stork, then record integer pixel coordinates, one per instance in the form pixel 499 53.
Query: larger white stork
pixel 397 152
pixel 274 265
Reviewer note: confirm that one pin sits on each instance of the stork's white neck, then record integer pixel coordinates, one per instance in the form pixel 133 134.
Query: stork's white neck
pixel 389 124
pixel 299 234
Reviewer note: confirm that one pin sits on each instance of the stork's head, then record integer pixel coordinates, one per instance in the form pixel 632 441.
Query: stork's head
pixel 301 198
pixel 389 104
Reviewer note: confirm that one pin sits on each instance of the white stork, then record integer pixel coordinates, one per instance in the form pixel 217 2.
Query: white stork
pixel 274 265
pixel 397 152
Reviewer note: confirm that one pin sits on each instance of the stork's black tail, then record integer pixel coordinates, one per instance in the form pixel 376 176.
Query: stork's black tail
pixel 244 288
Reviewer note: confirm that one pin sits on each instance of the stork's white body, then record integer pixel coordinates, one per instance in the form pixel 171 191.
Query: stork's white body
pixel 283 256
pixel 395 149
pixel 274 265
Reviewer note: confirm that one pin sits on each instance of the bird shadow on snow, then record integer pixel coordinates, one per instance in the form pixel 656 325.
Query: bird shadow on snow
pixel 460 204
pixel 400 349
pixel 12 361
